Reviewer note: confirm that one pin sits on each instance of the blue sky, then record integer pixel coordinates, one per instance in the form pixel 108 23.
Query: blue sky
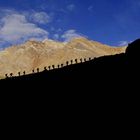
pixel 113 22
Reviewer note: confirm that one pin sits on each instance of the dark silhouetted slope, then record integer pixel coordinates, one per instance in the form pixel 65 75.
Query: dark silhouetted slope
pixel 106 71
pixel 104 90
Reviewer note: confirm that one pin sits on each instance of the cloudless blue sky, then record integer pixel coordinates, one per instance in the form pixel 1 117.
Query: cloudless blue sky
pixel 113 22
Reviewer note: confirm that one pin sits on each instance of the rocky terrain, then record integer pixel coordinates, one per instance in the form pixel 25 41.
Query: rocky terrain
pixel 32 54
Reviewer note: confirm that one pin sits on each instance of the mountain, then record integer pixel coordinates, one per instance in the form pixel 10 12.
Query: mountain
pixel 33 54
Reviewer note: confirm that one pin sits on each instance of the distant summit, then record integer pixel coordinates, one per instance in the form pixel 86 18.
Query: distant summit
pixel 33 54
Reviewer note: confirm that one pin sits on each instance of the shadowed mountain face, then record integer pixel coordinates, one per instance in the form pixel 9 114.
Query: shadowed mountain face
pixel 33 54
pixel 133 51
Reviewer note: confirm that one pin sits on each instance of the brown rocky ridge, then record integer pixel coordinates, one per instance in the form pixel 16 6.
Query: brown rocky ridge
pixel 33 54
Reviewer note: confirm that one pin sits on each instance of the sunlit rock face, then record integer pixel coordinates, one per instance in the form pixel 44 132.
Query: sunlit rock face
pixel 33 54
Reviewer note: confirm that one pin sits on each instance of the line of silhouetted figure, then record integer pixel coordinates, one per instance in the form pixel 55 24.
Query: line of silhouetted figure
pixel 98 70
pixel 37 70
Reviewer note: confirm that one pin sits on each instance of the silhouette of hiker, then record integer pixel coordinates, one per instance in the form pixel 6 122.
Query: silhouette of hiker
pixel 53 66
pixel 71 61
pixel 33 71
pixel 58 66
pixel 11 74
pixel 23 72
pixel 37 70
pixel 67 63
pixel 6 75
pixel 49 67
pixel 18 73
pixel 81 60
pixel 61 65
pixel 45 68
pixel 76 61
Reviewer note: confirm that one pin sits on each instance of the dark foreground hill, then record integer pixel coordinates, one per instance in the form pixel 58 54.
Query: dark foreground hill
pixel 114 77
pixel 102 94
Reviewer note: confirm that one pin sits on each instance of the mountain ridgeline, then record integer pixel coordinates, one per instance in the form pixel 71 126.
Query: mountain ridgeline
pixel 92 72
pixel 32 54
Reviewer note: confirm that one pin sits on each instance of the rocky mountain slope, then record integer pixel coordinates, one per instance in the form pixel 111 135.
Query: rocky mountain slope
pixel 33 54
